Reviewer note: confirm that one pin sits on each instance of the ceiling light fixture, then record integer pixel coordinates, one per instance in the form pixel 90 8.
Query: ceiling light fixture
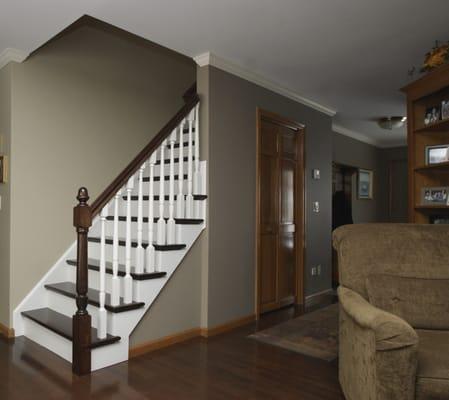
pixel 391 122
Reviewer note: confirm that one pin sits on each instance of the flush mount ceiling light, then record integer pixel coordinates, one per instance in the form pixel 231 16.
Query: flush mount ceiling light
pixel 391 122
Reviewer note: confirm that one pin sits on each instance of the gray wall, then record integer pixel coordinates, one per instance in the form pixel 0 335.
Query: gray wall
pixel 5 190
pixel 83 106
pixel 232 191
pixel 354 153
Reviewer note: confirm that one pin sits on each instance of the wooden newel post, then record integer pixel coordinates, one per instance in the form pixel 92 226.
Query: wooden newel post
pixel 81 353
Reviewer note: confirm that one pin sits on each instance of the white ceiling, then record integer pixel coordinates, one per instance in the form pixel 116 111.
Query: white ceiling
pixel 348 55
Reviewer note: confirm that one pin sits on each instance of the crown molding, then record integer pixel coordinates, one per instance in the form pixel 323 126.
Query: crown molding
pixel 365 139
pixel 220 63
pixel 10 54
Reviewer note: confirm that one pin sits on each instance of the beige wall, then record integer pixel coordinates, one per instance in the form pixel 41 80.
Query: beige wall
pixel 5 138
pixel 83 107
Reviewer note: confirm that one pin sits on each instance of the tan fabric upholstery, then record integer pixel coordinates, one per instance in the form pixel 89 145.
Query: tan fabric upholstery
pixel 391 274
pixel 433 365
pixel 419 251
pixel 423 303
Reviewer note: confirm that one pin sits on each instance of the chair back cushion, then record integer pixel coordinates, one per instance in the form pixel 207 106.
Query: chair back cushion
pixel 406 250
pixel 422 302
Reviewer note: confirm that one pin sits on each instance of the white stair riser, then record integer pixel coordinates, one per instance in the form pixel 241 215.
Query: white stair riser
pixel 134 206
pixel 166 169
pixel 94 252
pixel 176 151
pixel 101 357
pixel 157 184
pixel 95 231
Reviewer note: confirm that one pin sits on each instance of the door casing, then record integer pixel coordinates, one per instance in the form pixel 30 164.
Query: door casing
pixel 299 209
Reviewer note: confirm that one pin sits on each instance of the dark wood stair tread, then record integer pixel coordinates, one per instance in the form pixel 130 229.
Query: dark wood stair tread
pixel 122 242
pixel 166 197
pixel 62 325
pixel 176 160
pixel 69 289
pixel 94 265
pixel 179 221
pixel 166 178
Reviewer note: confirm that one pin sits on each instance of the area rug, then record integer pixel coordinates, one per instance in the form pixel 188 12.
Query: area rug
pixel 314 334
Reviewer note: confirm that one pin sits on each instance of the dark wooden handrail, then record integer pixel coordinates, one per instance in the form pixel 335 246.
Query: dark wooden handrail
pixel 192 100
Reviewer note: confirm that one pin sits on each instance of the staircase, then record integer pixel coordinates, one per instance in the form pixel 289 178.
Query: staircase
pixel 130 241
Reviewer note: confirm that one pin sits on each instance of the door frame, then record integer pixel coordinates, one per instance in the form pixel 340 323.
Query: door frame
pixel 299 209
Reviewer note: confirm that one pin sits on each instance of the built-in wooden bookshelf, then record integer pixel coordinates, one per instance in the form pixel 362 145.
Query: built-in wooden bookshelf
pixel 427 92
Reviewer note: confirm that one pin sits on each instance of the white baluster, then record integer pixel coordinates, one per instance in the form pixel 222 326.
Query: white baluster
pixel 171 226
pixel 140 252
pixel 150 262
pixel 189 197
pixel 161 234
pixel 115 292
pixel 197 173
pixel 197 178
pixel 180 203
pixel 128 281
pixel 102 315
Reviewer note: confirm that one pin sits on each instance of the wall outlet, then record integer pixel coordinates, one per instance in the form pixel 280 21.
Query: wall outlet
pixel 316 206
pixel 314 271
pixel 316 174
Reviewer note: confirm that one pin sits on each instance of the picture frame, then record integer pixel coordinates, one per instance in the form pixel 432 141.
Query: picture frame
pixel 445 109
pixel 3 169
pixel 438 195
pixel 437 154
pixel 365 184
pixel 432 115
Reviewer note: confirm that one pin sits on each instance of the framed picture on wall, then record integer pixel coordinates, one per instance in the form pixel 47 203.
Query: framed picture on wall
pixel 364 184
pixel 3 169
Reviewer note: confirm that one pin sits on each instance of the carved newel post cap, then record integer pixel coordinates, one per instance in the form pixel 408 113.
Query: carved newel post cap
pixel 83 195
pixel 82 213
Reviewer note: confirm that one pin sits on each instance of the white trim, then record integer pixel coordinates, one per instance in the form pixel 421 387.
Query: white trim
pixel 363 138
pixel 354 135
pixel 225 65
pixel 10 54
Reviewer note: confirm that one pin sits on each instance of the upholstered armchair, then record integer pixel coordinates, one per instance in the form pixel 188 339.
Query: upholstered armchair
pixel 394 311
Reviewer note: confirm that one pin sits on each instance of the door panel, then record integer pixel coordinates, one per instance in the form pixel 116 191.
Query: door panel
pixel 268 271
pixel 287 191
pixel 268 185
pixel 287 268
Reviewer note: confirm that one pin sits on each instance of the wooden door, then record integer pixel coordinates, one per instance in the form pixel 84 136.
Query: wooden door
pixel 280 215
pixel 398 204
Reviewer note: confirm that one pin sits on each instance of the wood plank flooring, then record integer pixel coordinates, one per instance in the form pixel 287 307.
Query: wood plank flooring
pixel 228 366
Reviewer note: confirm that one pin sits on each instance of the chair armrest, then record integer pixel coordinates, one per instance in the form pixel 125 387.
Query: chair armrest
pixel 391 332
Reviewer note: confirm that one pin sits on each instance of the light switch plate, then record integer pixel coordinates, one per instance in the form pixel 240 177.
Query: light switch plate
pixel 316 174
pixel 316 207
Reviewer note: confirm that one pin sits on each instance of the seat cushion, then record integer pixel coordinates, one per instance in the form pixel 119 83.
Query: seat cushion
pixel 432 381
pixel 423 303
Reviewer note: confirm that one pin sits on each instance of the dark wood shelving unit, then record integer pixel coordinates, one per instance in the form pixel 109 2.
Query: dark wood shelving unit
pixel 441 167
pixel 428 91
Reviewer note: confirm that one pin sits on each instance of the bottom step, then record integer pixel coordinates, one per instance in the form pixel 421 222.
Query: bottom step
pixel 62 325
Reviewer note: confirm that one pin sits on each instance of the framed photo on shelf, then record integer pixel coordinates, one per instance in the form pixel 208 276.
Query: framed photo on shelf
pixel 432 115
pixel 445 109
pixel 3 169
pixel 437 154
pixel 365 184
pixel 435 195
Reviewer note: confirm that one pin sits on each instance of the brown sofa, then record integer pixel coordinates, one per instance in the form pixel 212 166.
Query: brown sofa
pixel 394 311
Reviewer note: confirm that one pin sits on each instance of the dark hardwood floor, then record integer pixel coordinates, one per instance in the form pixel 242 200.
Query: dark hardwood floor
pixel 228 366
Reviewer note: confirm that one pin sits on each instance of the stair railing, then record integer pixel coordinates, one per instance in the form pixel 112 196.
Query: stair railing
pixel 147 258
